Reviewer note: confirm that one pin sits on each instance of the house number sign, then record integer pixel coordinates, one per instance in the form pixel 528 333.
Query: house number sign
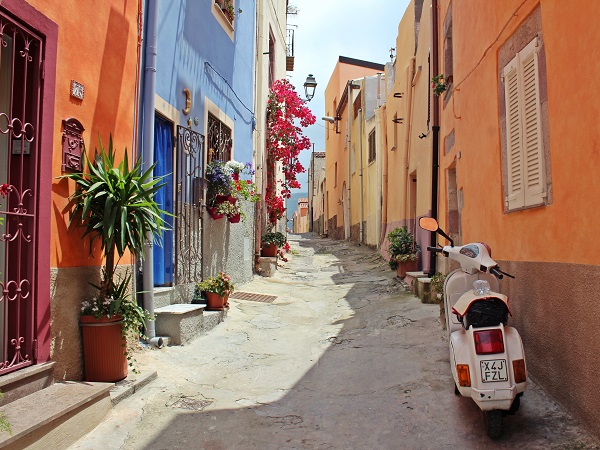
pixel 77 90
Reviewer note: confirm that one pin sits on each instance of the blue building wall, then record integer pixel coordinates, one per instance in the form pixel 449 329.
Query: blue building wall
pixel 194 51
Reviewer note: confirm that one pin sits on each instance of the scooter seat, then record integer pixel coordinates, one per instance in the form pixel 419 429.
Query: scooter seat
pixel 462 305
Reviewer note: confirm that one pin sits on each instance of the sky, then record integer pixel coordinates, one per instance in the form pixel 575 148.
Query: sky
pixel 327 29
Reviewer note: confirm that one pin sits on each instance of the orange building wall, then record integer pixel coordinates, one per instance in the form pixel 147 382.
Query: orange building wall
pixel 574 134
pixel 552 250
pixel 97 47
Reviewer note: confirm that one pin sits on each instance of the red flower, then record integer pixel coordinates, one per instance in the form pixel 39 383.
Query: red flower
pixel 4 189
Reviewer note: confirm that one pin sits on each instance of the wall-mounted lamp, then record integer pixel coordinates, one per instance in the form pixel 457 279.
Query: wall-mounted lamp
pixel 333 120
pixel 309 87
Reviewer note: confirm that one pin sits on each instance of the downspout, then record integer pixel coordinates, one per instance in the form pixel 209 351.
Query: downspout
pixel 348 146
pixel 412 77
pixel 148 154
pixel 384 176
pixel 360 175
pixel 436 133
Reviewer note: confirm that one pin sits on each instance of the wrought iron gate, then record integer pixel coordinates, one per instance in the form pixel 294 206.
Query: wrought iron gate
pixel 20 95
pixel 190 192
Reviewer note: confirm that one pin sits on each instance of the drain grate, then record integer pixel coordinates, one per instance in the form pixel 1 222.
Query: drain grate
pixel 253 297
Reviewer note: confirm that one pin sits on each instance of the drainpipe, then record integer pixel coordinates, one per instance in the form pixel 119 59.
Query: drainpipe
pixel 436 133
pixel 148 154
pixel 360 174
pixel 348 146
pixel 384 176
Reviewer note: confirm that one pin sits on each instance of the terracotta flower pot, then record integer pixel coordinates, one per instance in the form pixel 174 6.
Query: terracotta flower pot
pixel 406 266
pixel 269 250
pixel 103 349
pixel 214 302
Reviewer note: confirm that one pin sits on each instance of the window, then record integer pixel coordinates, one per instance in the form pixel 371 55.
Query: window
pixel 448 57
pixel 218 139
pixel 526 184
pixel 372 146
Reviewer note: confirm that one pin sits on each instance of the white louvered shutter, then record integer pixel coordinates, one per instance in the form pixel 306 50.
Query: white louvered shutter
pixel 514 141
pixel 532 127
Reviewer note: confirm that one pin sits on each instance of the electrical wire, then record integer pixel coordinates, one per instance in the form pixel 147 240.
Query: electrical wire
pixel 232 90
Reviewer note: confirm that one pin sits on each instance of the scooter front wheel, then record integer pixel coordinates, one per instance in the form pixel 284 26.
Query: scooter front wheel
pixel 493 423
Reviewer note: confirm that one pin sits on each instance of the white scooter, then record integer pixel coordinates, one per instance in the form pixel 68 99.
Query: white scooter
pixel 486 355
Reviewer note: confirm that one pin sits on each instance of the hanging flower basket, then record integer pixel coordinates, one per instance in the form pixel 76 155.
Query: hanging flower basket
pixel 214 214
pixel 235 218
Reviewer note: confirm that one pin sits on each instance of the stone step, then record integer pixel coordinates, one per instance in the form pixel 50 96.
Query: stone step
pixel 26 381
pixel 411 279
pixel 184 321
pixel 55 417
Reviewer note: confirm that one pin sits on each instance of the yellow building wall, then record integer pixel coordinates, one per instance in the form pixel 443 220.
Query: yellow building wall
pixel 337 153
pixel 407 170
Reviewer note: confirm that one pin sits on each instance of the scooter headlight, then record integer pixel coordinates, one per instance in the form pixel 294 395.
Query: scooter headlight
pixel 481 287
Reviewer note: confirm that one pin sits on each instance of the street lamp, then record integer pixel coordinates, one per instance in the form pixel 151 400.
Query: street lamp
pixel 309 87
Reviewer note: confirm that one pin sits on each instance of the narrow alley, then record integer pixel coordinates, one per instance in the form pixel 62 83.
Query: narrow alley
pixel 344 357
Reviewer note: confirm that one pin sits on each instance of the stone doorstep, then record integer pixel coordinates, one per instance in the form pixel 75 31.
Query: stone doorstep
pixel 26 381
pixel 56 416
pixel 411 278
pixel 267 265
pixel 184 321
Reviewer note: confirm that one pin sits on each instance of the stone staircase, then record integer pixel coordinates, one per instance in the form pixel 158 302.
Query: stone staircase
pixel 420 284
pixel 44 414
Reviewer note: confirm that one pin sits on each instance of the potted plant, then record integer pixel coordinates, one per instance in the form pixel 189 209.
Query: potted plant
pixel 271 242
pixel 229 209
pixel 438 84
pixel 403 251
pixel 216 291
pixel 115 205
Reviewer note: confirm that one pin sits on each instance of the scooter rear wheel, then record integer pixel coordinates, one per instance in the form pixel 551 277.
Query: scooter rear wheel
pixel 493 423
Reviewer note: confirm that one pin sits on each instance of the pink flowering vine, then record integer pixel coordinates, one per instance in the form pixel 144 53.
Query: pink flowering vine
pixel 287 114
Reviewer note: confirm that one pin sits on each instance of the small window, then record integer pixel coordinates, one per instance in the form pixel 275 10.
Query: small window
pixel 218 140
pixel 372 146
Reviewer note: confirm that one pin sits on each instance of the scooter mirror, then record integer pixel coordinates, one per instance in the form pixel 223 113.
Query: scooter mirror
pixel 428 223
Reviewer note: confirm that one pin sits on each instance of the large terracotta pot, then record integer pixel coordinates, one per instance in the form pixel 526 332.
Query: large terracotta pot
pixel 103 348
pixel 214 302
pixel 406 266
pixel 234 219
pixel 269 250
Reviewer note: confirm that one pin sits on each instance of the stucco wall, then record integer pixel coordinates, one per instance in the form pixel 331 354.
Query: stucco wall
pixel 554 295
pixel 229 246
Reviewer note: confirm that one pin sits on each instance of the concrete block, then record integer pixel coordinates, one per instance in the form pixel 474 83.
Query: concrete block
pixel 423 287
pixel 411 279
pixel 181 322
pixel 267 265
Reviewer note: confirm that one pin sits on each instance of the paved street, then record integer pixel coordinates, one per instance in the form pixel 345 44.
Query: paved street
pixel 344 358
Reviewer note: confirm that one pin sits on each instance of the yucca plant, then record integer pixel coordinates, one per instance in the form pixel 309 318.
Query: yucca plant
pixel 116 206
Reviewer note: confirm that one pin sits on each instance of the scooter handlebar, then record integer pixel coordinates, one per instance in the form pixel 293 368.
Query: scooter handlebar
pixel 435 249
pixel 494 271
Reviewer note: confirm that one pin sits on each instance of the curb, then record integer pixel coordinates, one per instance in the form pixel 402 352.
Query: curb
pixel 130 385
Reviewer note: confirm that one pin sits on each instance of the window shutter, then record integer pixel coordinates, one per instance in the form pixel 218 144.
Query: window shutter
pixel 515 195
pixel 532 127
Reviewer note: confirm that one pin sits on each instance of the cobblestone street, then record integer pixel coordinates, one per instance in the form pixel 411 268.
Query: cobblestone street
pixel 343 358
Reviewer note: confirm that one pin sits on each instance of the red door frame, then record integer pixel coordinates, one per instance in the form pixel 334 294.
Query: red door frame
pixel 24 12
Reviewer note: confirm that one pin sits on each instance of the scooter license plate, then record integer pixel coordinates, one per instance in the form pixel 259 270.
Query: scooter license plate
pixel 493 370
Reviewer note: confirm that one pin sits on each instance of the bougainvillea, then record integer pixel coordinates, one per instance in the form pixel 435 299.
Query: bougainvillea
pixel 287 114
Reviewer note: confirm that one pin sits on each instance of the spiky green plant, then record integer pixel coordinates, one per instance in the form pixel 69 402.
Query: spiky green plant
pixel 115 205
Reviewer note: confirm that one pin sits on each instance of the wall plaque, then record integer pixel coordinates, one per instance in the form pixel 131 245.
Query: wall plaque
pixel 72 145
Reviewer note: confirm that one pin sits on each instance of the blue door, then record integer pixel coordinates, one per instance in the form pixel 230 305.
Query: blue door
pixel 163 156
